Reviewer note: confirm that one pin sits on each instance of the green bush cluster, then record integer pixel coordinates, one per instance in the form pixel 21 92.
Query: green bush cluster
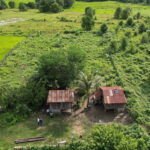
pixel 122 13
pixel 88 19
pixel 53 6
pixel 3 5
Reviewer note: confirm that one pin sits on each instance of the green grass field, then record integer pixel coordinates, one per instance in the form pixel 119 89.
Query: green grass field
pixel 7 43
pixel 133 66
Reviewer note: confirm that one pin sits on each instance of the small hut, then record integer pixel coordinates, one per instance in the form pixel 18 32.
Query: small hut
pixel 111 97
pixel 60 100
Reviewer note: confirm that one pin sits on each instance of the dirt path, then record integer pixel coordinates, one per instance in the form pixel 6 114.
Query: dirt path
pixel 11 20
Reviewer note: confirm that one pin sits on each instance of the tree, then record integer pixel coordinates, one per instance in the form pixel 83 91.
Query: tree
pixel 49 6
pixel 31 5
pixel 89 12
pixel 103 28
pixel 142 28
pixel 22 7
pixel 86 84
pixel 68 3
pixel 3 5
pixel 59 68
pixel 11 4
pixel 118 13
pixel 87 23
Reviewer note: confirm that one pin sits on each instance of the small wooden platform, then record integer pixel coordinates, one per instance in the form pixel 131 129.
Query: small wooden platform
pixel 29 140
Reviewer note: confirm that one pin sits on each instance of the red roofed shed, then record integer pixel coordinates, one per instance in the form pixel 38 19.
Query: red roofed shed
pixel 111 97
pixel 60 100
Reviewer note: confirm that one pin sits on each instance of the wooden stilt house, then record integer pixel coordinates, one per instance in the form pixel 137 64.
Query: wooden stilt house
pixel 111 97
pixel 60 100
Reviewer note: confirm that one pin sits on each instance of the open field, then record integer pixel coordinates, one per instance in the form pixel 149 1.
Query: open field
pixel 7 43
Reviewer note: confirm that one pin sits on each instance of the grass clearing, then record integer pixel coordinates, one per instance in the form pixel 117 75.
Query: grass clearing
pixel 7 43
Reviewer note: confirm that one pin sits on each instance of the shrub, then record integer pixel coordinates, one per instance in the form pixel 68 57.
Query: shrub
pixel 117 13
pixel 31 5
pixel 145 38
pixel 49 6
pixel 22 7
pixel 138 15
pixel 3 5
pixel 120 23
pixel 128 34
pixel 129 21
pixel 11 4
pixel 113 47
pixel 125 13
pixel 68 3
pixel 124 43
pixel 55 7
pixel 60 2
pixel 142 28
pixel 103 28
pixel 89 12
pixel 87 23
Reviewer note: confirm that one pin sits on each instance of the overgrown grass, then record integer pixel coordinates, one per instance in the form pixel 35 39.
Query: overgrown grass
pixel 7 43
pixel 52 129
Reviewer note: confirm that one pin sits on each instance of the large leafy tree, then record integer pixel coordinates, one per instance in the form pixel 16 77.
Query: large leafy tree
pixel 59 68
pixel 87 83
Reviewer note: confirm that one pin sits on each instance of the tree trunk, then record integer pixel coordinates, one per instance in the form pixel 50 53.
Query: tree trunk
pixel 88 100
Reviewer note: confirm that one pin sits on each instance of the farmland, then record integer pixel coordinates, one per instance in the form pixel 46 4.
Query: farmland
pixel 130 68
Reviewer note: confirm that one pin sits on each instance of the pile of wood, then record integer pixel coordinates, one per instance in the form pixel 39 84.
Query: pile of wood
pixel 29 140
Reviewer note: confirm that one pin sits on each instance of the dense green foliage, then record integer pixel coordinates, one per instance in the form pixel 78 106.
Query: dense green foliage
pixel 11 4
pixel 3 5
pixel 87 20
pixel 53 6
pixel 59 68
pixel 22 7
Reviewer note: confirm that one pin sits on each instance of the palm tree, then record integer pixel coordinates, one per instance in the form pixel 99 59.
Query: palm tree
pixel 87 84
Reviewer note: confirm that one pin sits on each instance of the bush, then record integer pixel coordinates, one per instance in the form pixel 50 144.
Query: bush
pixel 55 8
pixel 49 6
pixel 89 12
pixel 128 34
pixel 145 38
pixel 11 4
pixel 138 15
pixel 22 7
pixel 103 28
pixel 125 13
pixel 68 3
pixel 31 5
pixel 124 43
pixel 129 22
pixel 142 28
pixel 87 23
pixel 118 13
pixel 3 5
pixel 121 23
pixel 113 47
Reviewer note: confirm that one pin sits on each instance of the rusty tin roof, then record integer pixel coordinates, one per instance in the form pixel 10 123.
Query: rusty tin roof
pixel 60 96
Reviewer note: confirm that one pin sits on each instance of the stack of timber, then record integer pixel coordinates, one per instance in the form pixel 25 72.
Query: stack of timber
pixel 29 140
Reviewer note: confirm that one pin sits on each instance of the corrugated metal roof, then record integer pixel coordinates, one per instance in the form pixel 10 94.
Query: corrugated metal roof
pixel 60 96
pixel 113 95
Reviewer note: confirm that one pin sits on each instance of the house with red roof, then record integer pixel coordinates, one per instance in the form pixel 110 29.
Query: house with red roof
pixel 60 100
pixel 111 97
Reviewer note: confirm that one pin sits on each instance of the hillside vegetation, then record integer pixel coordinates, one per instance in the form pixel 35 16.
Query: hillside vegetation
pixel 117 50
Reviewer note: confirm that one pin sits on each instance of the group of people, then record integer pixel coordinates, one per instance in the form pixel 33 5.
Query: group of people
pixel 40 121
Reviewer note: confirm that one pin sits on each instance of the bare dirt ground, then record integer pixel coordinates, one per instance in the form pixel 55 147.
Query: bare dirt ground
pixel 96 114
pixel 11 20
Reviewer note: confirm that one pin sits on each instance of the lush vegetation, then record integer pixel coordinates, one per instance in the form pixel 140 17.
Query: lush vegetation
pixel 117 50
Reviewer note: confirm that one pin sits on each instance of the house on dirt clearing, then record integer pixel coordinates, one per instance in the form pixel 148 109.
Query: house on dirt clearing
pixel 111 97
pixel 60 100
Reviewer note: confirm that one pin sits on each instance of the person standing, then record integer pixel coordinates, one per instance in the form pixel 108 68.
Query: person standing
pixel 38 120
